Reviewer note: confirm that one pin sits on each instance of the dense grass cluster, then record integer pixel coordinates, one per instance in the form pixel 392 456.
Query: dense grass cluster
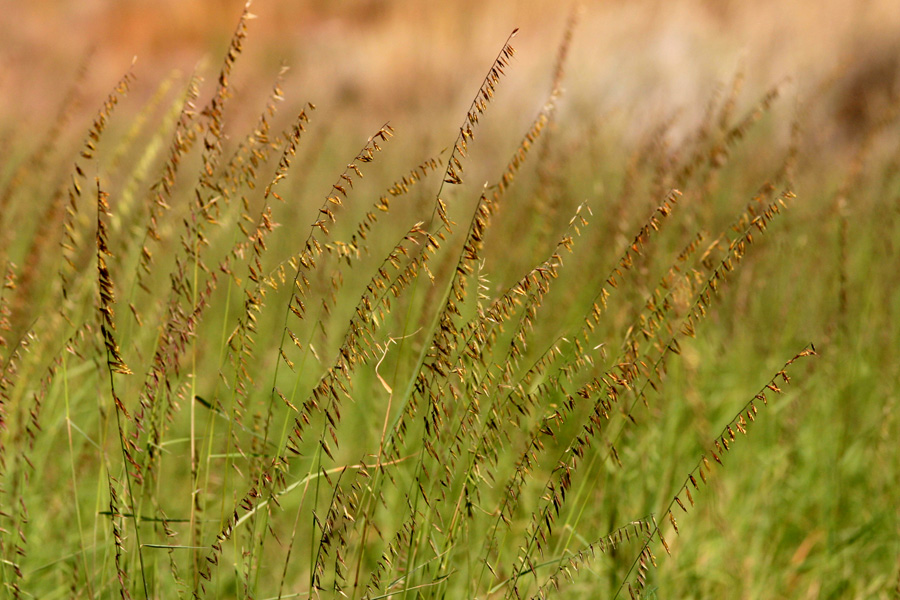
pixel 247 366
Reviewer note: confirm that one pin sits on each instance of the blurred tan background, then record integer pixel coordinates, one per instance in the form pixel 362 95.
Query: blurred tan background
pixel 388 60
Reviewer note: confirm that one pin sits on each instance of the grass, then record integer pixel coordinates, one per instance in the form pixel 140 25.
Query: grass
pixel 259 365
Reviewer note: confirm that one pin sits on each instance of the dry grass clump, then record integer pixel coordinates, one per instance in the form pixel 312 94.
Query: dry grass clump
pixel 229 371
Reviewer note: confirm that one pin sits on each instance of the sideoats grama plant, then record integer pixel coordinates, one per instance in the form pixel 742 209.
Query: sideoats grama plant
pixel 223 376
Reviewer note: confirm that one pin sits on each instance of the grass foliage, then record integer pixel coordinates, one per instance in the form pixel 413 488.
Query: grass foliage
pixel 247 365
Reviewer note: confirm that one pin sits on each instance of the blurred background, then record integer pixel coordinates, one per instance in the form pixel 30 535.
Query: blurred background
pixel 648 85
pixel 406 60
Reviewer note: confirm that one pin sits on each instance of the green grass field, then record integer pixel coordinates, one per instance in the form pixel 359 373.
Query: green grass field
pixel 521 340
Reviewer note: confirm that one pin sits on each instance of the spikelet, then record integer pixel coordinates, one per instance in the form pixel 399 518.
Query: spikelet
pixel 183 138
pixel 73 236
pixel 701 472
pixel 613 384
pixel 454 171
pixel 436 365
pixel 214 114
pixel 105 286
pixel 325 399
pixel 636 530
pixel 518 404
